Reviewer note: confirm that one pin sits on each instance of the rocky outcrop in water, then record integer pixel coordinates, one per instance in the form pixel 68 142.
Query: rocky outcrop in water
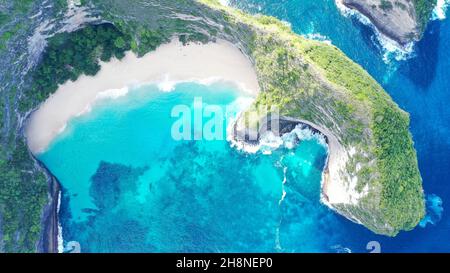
pixel 402 21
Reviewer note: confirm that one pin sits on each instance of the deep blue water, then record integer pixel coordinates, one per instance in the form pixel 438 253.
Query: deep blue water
pixel 130 187
pixel 420 85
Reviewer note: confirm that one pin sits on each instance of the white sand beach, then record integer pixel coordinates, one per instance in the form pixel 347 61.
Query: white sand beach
pixel 169 64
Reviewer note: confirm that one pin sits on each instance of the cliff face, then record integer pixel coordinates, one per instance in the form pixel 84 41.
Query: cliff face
pixel 400 20
pixel 28 193
pixel 372 176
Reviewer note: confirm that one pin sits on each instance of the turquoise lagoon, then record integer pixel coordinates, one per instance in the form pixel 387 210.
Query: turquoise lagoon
pixel 128 186
pixel 419 83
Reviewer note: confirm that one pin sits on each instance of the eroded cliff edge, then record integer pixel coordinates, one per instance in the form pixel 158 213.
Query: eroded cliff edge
pixel 402 21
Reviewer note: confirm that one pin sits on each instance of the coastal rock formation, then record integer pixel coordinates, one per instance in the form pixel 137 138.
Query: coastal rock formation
pixel 402 21
pixel 369 179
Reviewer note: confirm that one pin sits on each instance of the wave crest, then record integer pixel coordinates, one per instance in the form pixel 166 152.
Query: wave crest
pixel 434 210
pixel 269 142
pixel 389 48
pixel 440 11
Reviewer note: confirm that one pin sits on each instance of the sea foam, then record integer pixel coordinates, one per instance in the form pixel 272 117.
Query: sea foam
pixel 439 12
pixel 389 47
pixel 60 235
pixel 269 142
pixel 318 37
pixel 225 2
pixel 164 85
pixel 434 210
pixel 113 93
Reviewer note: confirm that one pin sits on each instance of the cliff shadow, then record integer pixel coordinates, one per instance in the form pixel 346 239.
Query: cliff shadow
pixel 421 69
pixel 368 35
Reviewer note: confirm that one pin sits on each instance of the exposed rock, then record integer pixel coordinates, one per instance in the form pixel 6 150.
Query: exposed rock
pixel 398 20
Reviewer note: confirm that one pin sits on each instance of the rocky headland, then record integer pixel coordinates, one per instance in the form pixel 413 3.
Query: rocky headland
pixel 402 21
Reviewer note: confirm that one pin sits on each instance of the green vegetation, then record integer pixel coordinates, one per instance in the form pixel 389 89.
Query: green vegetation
pixel 70 55
pixel 149 40
pixel 23 193
pixel 23 189
pixel 355 103
pixel 400 5
pixel 10 26
pixel 423 11
pixel 61 4
pixel 22 6
pixel 19 7
pixel 402 197
pixel 386 5
pixel 22 197
pixel 3 18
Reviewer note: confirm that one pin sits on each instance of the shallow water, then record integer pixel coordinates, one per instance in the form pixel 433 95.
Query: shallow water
pixel 419 84
pixel 129 187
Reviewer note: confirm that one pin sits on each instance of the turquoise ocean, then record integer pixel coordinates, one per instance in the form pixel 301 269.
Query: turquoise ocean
pixel 128 186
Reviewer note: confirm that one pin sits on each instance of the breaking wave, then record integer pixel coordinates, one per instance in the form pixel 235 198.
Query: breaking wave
pixel 389 48
pixel 269 142
pixel 318 37
pixel 439 12
pixel 434 210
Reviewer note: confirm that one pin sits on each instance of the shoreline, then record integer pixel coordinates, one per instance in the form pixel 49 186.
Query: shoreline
pixel 168 65
pixel 186 63
pixel 49 238
pixel 332 190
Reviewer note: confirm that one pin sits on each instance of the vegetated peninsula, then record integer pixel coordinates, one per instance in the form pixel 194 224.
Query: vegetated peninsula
pixel 372 174
pixel 402 21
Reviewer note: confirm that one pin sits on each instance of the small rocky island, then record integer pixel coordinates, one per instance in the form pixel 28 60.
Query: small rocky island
pixel 402 21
